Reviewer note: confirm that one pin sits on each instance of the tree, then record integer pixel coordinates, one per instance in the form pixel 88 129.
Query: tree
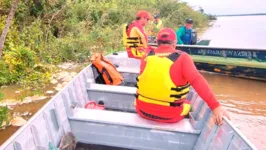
pixel 201 10
pixel 8 23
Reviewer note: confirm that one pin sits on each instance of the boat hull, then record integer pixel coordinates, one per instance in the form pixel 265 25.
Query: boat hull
pixel 245 63
pixel 123 128
pixel 233 71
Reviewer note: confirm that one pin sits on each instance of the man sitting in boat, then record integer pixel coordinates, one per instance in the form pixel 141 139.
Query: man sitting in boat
pixel 184 33
pixel 164 80
pixel 134 37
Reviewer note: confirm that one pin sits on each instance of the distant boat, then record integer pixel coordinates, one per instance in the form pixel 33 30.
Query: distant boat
pixel 247 63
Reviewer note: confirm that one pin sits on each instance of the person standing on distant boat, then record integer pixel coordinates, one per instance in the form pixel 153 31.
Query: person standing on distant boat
pixel 164 81
pixel 134 37
pixel 184 33
pixel 157 22
pixel 153 28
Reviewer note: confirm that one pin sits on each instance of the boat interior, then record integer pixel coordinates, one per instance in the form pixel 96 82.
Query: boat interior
pixel 119 125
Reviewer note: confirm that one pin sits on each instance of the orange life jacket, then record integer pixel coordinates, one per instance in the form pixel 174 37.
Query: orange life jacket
pixel 106 69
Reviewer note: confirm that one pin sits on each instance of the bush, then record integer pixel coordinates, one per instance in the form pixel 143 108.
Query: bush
pixel 4 74
pixel 54 31
pixel 3 115
pixel 1 96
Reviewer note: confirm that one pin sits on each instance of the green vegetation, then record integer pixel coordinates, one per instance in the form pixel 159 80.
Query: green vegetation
pixel 3 113
pixel 3 116
pixel 212 17
pixel 44 33
pixel 1 96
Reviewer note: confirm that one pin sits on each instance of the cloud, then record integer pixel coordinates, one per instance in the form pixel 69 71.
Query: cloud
pixel 219 7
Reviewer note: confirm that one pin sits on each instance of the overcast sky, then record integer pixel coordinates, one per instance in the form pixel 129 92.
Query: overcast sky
pixel 230 6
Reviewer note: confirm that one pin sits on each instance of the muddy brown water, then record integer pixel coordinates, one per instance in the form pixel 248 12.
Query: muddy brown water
pixel 245 100
pixel 30 108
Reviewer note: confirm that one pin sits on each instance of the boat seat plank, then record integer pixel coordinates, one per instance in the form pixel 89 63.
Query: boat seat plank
pixel 114 89
pixel 123 61
pixel 131 119
pixel 128 70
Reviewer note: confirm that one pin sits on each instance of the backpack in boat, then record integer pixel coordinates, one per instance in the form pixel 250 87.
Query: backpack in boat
pixel 104 71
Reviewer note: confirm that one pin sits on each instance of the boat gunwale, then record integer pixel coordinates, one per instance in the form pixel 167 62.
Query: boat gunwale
pixel 211 47
pixel 241 135
pixel 222 61
pixel 41 110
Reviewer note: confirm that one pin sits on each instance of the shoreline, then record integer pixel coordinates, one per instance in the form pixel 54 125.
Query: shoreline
pixel 23 103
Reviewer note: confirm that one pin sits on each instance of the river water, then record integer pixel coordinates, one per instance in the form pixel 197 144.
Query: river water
pixel 244 99
pixel 243 31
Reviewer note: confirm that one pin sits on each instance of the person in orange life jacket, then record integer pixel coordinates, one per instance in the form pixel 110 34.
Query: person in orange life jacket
pixel 164 80
pixel 135 32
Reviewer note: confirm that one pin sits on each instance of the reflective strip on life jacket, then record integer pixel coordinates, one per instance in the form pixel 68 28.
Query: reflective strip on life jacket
pixel 155 84
pixel 107 70
pixel 163 113
pixel 185 110
pixel 130 42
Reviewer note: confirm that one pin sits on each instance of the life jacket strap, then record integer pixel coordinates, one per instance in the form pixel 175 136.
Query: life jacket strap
pixel 153 116
pixel 174 56
pixel 172 104
pixel 132 38
pixel 178 89
pixel 179 95
pixel 107 74
pixel 134 41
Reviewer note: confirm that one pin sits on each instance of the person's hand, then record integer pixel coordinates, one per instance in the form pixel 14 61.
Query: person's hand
pixel 218 114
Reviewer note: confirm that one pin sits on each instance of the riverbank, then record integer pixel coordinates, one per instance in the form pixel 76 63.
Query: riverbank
pixel 23 104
